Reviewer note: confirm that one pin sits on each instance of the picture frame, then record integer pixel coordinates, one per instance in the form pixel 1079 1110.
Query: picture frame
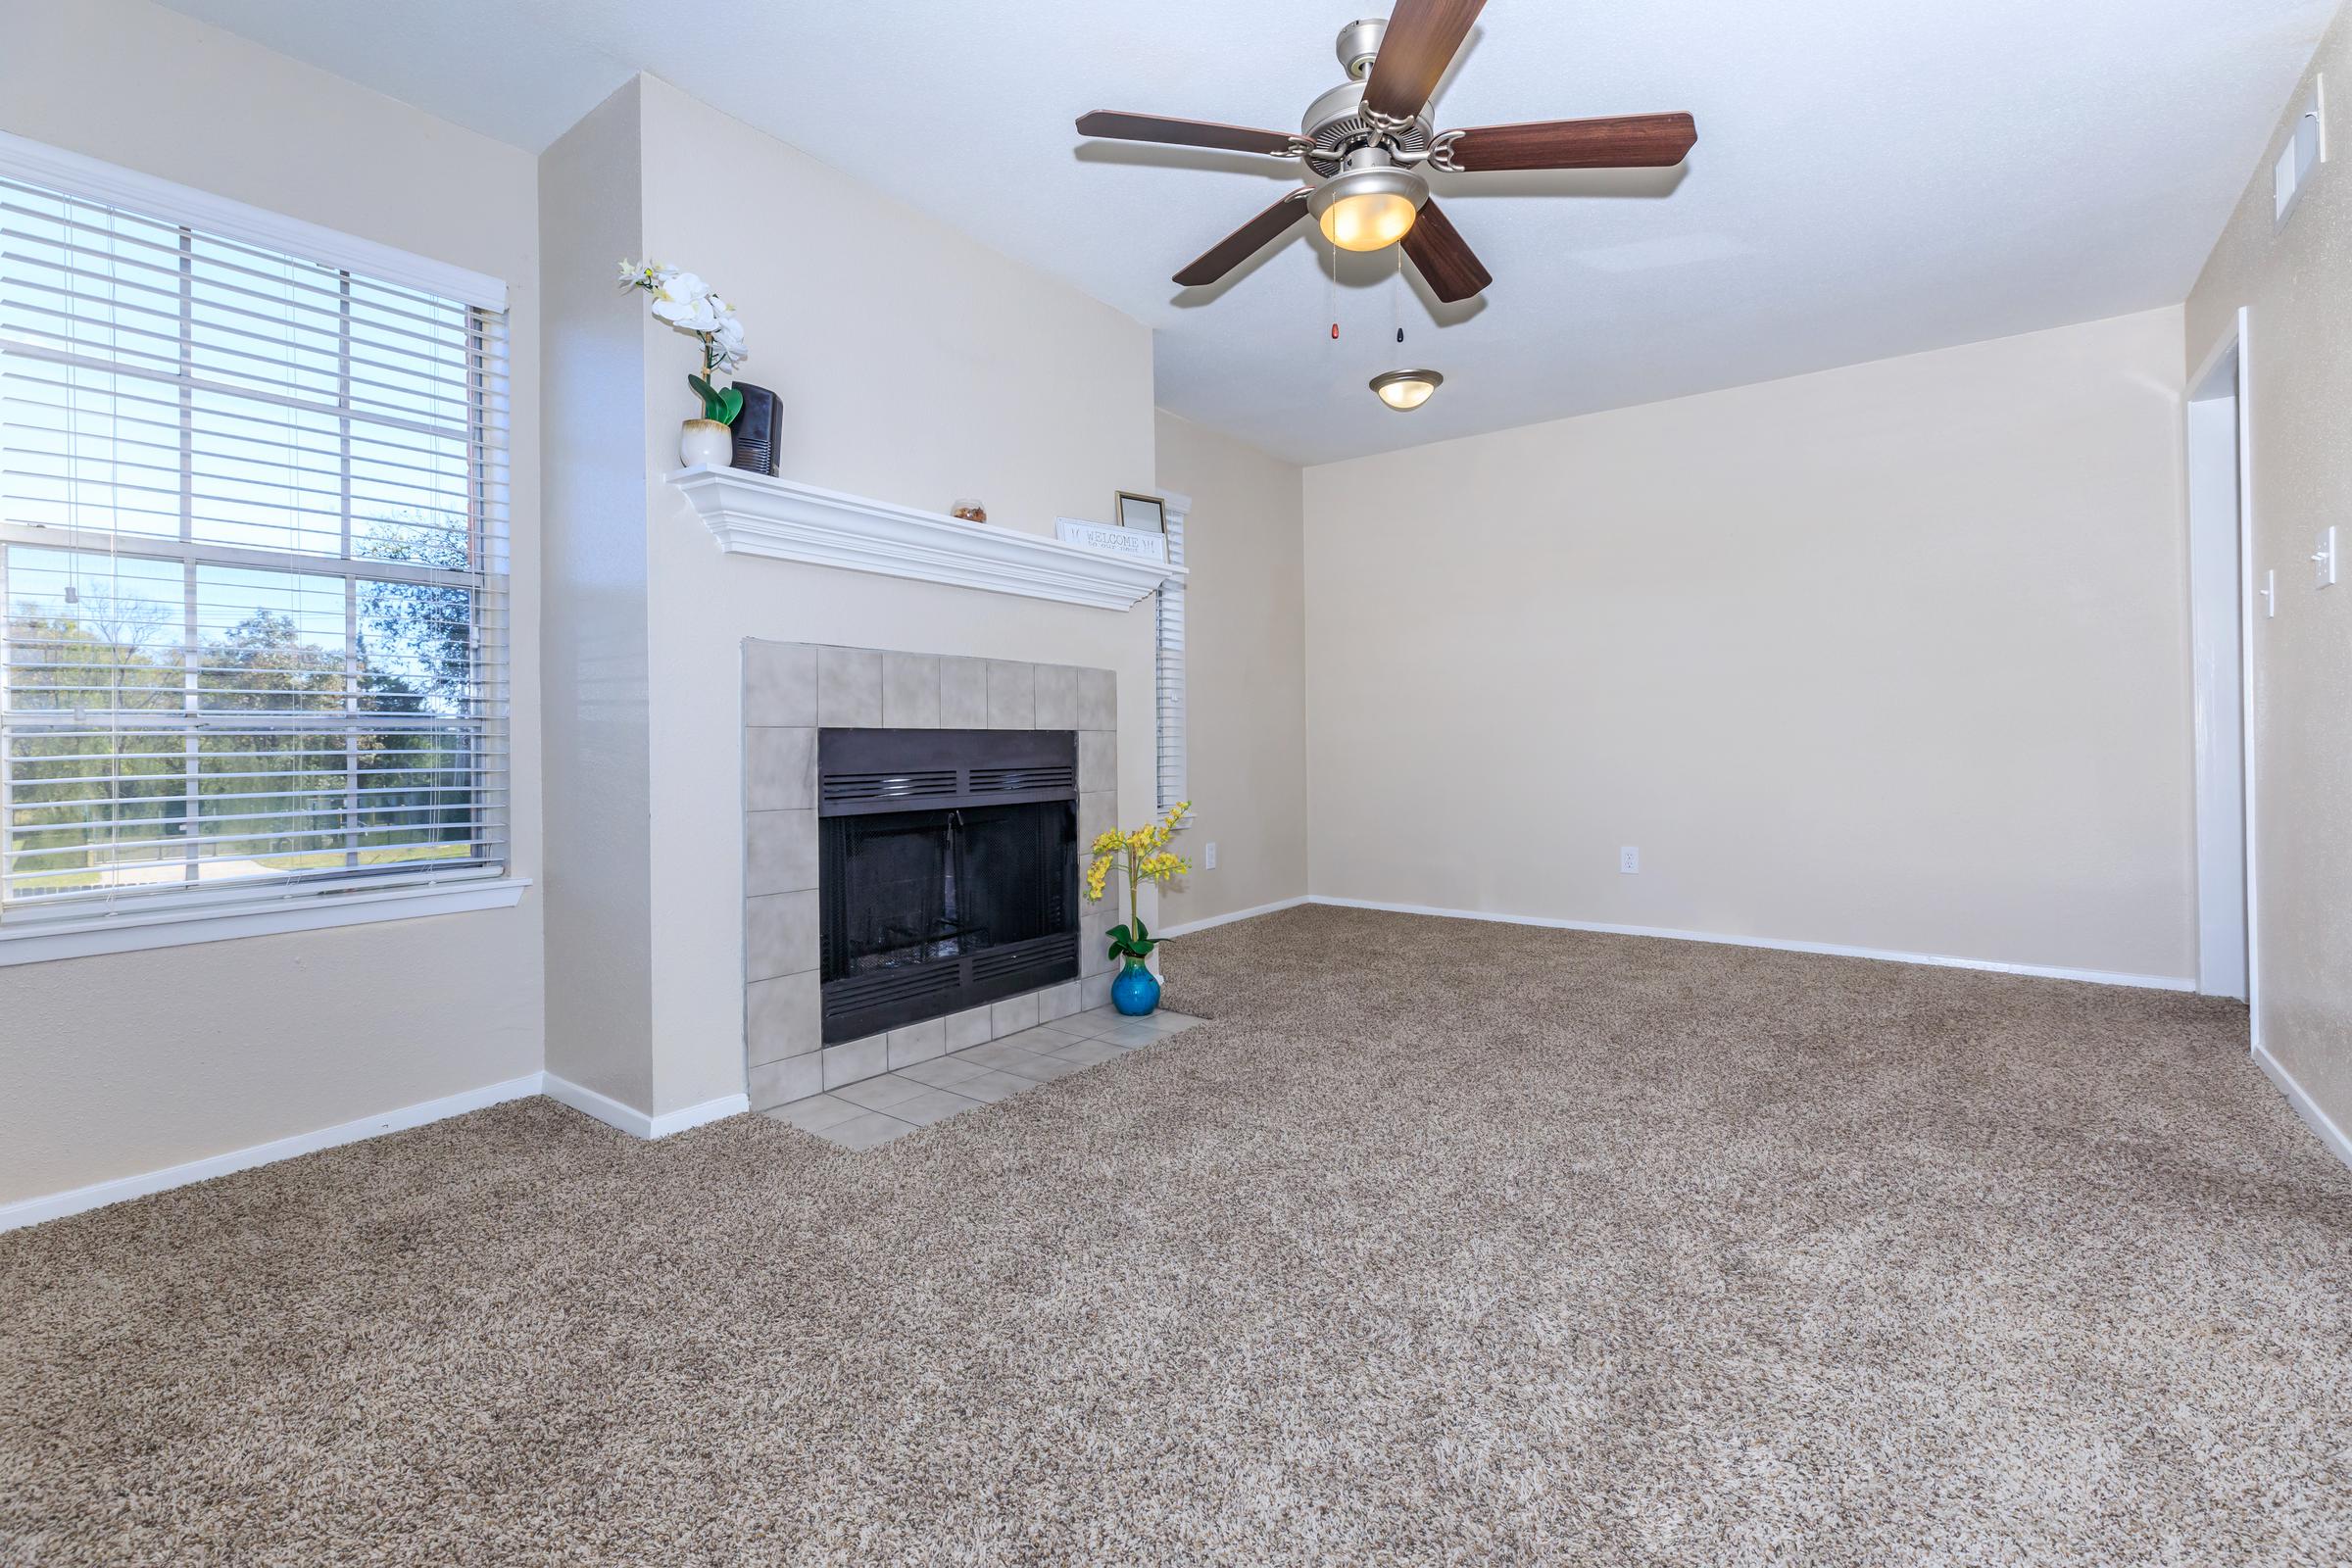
pixel 1141 514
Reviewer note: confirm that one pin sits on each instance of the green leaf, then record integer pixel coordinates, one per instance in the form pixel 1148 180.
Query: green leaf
pixel 703 389
pixel 1120 933
pixel 731 400
pixel 1141 935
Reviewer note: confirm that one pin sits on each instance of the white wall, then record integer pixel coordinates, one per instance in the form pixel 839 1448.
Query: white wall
pixel 1244 673
pixel 2298 284
pixel 115 1065
pixel 917 366
pixel 1890 656
pixel 597 887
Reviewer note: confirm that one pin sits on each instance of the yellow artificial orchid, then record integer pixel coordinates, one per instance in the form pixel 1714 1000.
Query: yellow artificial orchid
pixel 1147 859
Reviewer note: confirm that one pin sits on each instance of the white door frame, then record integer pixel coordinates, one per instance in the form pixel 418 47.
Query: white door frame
pixel 2218 416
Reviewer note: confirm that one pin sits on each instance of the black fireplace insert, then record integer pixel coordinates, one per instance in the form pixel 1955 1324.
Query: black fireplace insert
pixel 947 870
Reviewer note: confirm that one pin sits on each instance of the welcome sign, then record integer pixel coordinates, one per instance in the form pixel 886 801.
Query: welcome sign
pixel 1112 539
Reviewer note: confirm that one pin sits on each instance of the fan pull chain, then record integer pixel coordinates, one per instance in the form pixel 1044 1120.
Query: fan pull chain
pixel 1331 289
pixel 1396 295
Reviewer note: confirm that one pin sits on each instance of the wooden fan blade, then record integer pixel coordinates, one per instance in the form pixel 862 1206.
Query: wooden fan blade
pixel 1442 255
pixel 1244 242
pixel 1184 132
pixel 1627 141
pixel 1419 44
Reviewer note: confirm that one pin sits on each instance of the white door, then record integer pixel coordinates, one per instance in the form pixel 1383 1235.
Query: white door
pixel 2218 607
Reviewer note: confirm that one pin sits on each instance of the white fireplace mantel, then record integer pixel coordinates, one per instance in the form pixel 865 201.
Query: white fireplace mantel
pixel 758 516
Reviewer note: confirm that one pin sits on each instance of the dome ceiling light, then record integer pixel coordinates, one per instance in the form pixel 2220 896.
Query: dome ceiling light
pixel 1407 390
pixel 1370 204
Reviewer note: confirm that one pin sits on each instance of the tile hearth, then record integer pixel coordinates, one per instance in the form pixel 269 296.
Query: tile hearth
pixel 862 1116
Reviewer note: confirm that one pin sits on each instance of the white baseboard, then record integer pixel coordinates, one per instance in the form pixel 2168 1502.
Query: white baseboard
pixel 1190 926
pixel 56 1205
pixel 588 1103
pixel 2099 977
pixel 628 1119
pixel 636 1123
pixel 2318 1120
pixel 719 1109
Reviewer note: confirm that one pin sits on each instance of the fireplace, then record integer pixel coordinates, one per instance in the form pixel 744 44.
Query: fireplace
pixel 946 871
pixel 960 922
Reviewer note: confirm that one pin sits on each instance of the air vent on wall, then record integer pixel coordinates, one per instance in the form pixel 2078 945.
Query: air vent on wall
pixel 2305 151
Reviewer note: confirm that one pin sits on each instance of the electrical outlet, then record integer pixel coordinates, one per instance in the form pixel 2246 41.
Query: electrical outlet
pixel 1629 860
pixel 1209 856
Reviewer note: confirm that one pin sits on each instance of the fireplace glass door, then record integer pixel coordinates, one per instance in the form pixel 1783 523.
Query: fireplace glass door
pixel 946 871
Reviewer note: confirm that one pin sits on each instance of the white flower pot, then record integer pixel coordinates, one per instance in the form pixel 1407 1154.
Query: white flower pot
pixel 706 442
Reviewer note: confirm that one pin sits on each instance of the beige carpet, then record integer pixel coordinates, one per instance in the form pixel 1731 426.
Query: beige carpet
pixel 1444 1243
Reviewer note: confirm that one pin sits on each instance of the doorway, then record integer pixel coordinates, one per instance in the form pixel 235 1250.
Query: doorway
pixel 2220 621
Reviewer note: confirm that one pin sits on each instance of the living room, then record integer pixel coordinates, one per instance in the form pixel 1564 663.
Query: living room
pixel 1640 872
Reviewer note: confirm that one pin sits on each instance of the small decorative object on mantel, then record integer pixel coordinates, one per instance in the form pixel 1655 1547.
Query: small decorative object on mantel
pixel 1144 855
pixel 756 429
pixel 1112 540
pixel 969 510
pixel 689 305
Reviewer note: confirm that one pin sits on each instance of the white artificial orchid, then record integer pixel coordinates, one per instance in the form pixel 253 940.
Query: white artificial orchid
pixel 645 274
pixel 683 301
pixel 694 314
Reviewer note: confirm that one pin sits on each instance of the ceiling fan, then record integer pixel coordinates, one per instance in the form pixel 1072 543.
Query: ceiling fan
pixel 1367 139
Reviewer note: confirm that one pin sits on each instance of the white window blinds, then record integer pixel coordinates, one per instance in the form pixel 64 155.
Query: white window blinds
pixel 1169 674
pixel 252 564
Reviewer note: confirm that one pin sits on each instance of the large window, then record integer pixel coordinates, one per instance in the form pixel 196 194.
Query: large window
pixel 252 564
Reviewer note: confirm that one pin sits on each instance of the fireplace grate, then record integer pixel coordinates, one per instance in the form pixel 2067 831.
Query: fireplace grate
pixel 1014 780
pixel 863 771
pixel 927 784
pixel 877 1000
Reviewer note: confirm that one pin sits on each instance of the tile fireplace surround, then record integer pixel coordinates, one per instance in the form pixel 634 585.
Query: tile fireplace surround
pixel 792 690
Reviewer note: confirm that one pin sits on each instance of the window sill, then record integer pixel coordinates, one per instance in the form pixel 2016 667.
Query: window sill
pixel 180 928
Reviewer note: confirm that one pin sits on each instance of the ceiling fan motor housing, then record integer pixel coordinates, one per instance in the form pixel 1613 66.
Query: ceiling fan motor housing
pixel 1369 172
pixel 1334 122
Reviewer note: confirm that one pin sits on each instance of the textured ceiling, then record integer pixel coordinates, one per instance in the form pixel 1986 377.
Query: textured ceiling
pixel 1871 178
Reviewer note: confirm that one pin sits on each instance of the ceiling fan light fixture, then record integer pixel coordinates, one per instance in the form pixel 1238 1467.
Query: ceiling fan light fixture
pixel 1407 390
pixel 1370 204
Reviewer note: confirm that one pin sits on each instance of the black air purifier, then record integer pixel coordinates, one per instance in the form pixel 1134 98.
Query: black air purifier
pixel 755 429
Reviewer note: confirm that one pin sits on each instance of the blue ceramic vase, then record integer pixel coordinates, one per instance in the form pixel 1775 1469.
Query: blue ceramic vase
pixel 1135 991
